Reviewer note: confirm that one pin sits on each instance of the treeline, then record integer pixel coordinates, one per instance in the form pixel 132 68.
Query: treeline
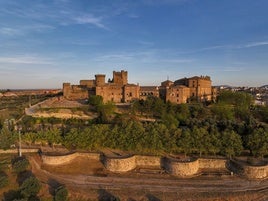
pixel 226 127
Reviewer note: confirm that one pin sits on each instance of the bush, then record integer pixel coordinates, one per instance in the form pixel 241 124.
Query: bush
pixel 3 181
pixel 61 194
pixel 30 187
pixel 20 164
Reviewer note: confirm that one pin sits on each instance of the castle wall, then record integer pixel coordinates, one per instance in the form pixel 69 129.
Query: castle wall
pixel 177 94
pixel 74 92
pixel 131 92
pixel 100 80
pixel 120 77
pixel 110 92
pixel 88 83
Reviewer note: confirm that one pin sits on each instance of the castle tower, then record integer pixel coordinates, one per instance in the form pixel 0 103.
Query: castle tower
pixel 100 80
pixel 120 77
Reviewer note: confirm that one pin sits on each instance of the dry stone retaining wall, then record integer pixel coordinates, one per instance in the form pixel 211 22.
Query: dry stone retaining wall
pixel 182 169
pixel 15 151
pixel 205 163
pixel 172 166
pixel 152 161
pixel 120 164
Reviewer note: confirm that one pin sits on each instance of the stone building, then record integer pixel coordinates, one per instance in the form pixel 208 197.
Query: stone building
pixel 186 89
pixel 116 90
pixel 119 90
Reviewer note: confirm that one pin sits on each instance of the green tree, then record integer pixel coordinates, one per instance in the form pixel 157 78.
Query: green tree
pixel 186 141
pixel 95 100
pixel 30 187
pixel 7 138
pixel 258 142
pixel 231 143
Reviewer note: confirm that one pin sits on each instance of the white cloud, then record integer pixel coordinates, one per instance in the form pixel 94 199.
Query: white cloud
pixel 256 44
pixel 25 60
pixel 90 19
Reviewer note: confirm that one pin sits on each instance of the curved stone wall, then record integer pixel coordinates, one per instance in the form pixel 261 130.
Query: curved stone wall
pixel 145 161
pixel 171 165
pixel 211 163
pixel 120 164
pixel 254 172
pixel 58 160
pixel 182 169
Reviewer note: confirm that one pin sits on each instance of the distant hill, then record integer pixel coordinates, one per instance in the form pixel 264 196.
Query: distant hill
pixel 264 86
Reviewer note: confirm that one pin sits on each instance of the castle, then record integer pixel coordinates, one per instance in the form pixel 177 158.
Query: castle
pixel 118 89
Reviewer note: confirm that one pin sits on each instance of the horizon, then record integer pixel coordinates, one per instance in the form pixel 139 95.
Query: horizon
pixel 47 43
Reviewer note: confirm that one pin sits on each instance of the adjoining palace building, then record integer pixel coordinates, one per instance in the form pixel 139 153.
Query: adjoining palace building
pixel 119 90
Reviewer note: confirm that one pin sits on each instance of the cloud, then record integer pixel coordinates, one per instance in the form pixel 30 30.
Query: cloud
pixel 232 69
pixel 25 60
pixel 90 19
pixel 255 44
pixel 8 31
pixel 23 30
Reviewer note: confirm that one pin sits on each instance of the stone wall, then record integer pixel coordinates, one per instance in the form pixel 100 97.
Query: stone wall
pixel 120 164
pixel 16 151
pixel 256 172
pixel 250 172
pixel 181 169
pixel 151 161
pixel 171 165
pixel 205 163
pixel 63 159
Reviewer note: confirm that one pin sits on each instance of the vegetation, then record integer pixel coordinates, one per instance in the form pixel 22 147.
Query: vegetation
pixel 20 164
pixel 226 127
pixel 30 188
pixel 61 194
pixel 3 180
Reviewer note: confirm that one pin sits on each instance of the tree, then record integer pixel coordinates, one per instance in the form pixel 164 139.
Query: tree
pixel 30 187
pixel 231 143
pixel 6 138
pixel 95 100
pixel 185 142
pixel 258 142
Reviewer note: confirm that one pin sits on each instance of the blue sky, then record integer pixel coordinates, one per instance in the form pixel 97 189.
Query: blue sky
pixel 45 43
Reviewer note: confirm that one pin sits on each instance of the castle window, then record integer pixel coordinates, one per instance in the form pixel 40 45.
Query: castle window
pixel 130 94
pixel 177 95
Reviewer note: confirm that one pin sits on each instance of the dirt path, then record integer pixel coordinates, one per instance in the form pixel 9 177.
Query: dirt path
pixel 175 186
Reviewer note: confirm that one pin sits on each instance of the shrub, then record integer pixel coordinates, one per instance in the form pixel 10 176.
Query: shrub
pixel 20 164
pixel 3 181
pixel 61 194
pixel 30 187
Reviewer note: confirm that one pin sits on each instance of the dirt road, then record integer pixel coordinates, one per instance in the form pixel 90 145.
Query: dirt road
pixel 230 185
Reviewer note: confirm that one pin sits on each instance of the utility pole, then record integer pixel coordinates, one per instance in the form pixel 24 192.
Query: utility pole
pixel 18 128
pixel 20 154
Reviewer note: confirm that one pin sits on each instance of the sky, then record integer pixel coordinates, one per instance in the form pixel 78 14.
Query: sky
pixel 44 43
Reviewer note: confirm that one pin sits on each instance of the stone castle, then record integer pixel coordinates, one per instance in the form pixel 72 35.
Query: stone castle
pixel 118 90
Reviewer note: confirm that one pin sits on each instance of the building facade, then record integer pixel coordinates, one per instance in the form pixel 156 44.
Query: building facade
pixel 118 89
